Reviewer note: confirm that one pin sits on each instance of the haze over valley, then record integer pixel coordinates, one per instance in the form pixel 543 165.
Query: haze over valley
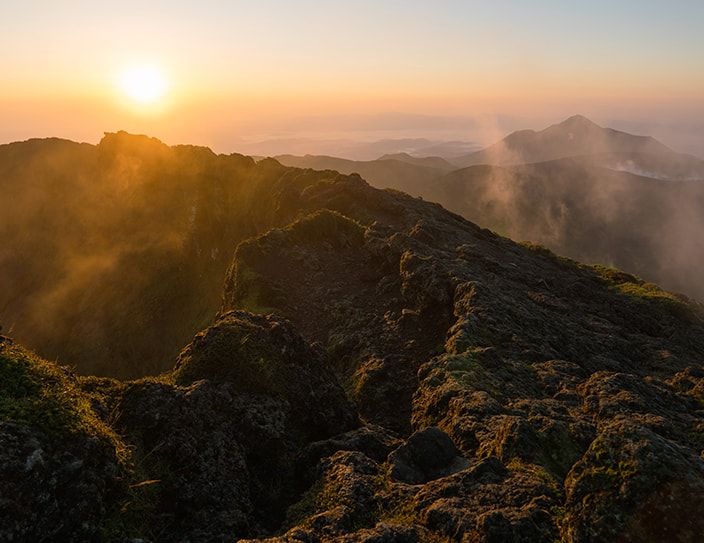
pixel 591 193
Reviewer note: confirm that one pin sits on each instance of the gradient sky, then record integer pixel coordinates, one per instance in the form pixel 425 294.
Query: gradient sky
pixel 242 71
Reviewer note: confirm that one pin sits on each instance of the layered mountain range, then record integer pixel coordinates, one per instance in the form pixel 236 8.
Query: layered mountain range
pixel 594 194
pixel 303 357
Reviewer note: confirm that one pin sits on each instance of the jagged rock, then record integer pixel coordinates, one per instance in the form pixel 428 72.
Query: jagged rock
pixel 249 393
pixel 635 485
pixel 266 355
pixel 540 353
pixel 488 502
pixel 48 494
pixel 374 441
pixel 190 447
pixel 427 455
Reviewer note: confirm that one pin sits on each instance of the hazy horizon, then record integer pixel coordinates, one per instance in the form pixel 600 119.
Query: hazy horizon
pixel 233 75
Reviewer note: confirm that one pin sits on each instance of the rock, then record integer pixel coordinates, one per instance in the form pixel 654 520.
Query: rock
pixel 479 504
pixel 374 441
pixel 249 394
pixel 59 464
pixel 190 448
pixel 427 455
pixel 635 485
pixel 265 355
pixel 47 494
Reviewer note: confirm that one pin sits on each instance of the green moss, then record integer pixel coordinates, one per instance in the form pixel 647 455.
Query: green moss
pixel 256 293
pixel 238 352
pixel 300 512
pixel 398 509
pixel 517 464
pixel 638 290
pixel 328 493
pixel 42 394
pixel 468 371
pixel 561 261
pixel 609 464
pixel 325 226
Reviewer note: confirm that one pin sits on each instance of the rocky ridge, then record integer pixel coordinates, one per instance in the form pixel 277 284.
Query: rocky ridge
pixel 409 376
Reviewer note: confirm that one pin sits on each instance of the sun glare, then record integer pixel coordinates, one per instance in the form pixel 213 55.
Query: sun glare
pixel 144 84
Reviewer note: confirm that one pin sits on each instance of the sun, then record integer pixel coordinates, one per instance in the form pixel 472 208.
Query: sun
pixel 145 84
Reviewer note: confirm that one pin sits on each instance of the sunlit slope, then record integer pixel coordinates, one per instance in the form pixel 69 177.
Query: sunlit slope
pixel 113 255
pixel 381 370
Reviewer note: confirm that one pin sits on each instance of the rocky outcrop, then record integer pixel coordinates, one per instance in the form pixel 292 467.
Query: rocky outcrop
pixel 59 463
pixel 215 444
pixel 564 378
pixel 409 377
pixel 222 435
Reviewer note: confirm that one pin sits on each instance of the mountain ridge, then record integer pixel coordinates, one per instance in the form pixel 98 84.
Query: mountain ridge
pixel 379 369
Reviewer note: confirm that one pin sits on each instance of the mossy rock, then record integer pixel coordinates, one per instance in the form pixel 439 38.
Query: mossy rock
pixel 326 226
pixel 249 284
pixel 658 301
pixel 61 466
pixel 265 355
pixel 242 349
pixel 47 396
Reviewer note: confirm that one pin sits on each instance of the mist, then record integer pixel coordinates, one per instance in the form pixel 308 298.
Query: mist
pixel 594 194
pixel 113 255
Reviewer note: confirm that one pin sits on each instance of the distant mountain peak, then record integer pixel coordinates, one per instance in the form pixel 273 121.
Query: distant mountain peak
pixel 575 136
pixel 577 121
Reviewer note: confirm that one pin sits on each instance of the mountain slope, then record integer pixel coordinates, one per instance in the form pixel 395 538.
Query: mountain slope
pixel 648 227
pixel 594 194
pixel 499 393
pixel 94 232
pixel 380 369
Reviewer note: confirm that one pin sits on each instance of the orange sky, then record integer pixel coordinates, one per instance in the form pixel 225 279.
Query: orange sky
pixel 242 71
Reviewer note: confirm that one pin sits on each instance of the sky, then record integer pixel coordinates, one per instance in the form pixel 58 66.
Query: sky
pixel 235 73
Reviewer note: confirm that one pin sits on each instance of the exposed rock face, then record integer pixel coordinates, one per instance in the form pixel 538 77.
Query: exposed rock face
pixel 48 494
pixel 249 394
pixel 428 454
pixel 426 381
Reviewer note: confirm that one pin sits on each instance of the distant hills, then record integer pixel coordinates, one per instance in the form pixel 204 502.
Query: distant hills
pixel 592 193
pixel 358 149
